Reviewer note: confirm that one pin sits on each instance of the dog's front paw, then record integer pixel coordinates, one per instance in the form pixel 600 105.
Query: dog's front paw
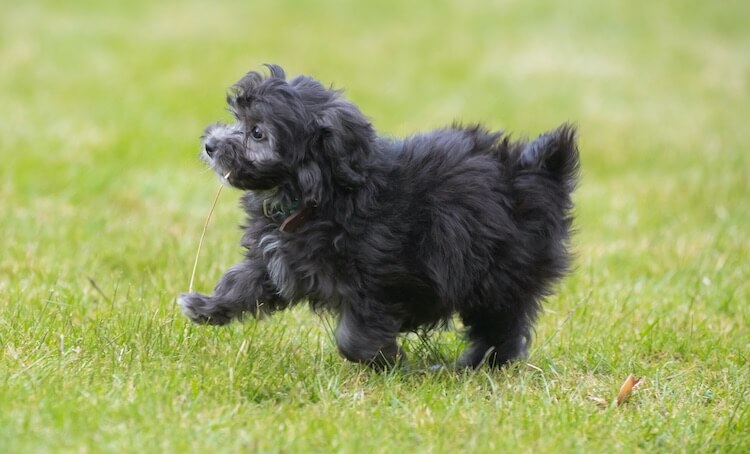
pixel 203 310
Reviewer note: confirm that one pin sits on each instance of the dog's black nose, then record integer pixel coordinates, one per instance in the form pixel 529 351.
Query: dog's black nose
pixel 210 149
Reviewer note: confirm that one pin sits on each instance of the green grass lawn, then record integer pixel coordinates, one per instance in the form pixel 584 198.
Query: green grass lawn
pixel 102 200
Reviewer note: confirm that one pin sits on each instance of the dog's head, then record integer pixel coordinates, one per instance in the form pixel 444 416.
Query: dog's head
pixel 295 134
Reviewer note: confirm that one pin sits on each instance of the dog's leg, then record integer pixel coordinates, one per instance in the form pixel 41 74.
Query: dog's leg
pixel 244 288
pixel 369 338
pixel 497 336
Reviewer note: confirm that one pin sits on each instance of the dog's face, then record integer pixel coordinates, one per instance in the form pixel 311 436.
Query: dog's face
pixel 294 133
pixel 244 159
pixel 248 153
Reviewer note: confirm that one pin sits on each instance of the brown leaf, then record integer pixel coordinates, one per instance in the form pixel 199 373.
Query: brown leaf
pixel 627 388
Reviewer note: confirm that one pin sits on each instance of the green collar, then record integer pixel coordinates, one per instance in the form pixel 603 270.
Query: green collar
pixel 290 217
pixel 275 211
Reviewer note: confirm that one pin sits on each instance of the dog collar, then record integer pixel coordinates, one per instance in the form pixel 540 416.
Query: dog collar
pixel 291 217
pixel 276 211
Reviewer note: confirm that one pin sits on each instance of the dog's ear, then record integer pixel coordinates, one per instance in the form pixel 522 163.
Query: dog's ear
pixel 344 137
pixel 310 180
pixel 338 140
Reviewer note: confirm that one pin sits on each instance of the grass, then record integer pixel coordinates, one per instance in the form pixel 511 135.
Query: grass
pixel 102 200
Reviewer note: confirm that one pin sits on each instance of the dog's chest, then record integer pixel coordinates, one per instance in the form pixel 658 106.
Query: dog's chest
pixel 297 267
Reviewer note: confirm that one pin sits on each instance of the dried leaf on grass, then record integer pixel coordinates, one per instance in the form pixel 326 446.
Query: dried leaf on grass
pixel 625 390
pixel 630 383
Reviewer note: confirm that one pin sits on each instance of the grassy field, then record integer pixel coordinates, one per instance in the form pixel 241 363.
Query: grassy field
pixel 102 200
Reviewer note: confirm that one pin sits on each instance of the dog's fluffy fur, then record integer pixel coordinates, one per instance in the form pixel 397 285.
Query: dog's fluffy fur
pixel 396 234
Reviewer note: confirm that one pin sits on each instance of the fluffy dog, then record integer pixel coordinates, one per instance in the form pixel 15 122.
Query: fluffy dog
pixel 389 235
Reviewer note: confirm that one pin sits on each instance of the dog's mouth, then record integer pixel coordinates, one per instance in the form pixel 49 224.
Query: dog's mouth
pixel 244 167
pixel 217 146
pixel 226 177
pixel 216 166
pixel 218 156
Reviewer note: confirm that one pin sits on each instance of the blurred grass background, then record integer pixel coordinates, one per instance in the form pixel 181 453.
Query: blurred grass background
pixel 101 107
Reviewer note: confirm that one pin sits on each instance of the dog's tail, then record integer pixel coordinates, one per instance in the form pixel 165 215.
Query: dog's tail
pixel 555 155
pixel 543 174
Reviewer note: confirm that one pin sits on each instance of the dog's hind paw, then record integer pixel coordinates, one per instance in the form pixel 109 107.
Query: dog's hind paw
pixel 202 309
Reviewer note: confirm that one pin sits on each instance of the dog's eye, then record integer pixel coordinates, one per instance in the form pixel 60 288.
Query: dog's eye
pixel 256 133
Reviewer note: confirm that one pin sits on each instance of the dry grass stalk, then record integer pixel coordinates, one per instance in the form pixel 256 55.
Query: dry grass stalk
pixel 205 226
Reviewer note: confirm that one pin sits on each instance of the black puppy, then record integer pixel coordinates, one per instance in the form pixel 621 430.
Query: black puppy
pixel 391 235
